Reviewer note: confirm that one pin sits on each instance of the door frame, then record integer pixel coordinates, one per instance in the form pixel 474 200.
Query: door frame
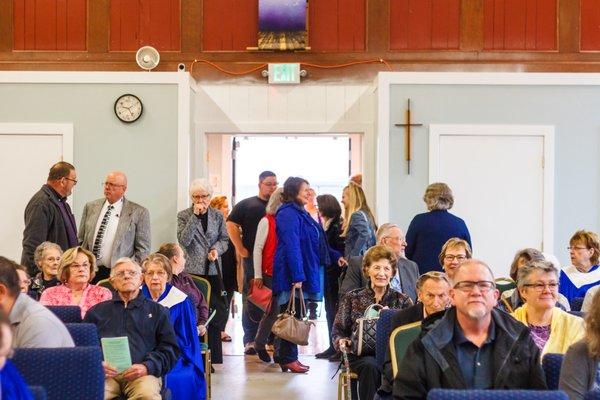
pixel 546 132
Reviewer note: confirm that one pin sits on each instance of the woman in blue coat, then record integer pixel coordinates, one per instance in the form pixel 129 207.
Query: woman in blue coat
pixel 301 251
pixel 428 232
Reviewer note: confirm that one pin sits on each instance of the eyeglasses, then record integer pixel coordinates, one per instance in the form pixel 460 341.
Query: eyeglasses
pixel 577 248
pixel 26 281
pixel 458 258
pixel 468 286
pixel 111 185
pixel 539 287
pixel 160 274
pixel 72 180
pixel 79 266
pixel 200 196
pixel 122 274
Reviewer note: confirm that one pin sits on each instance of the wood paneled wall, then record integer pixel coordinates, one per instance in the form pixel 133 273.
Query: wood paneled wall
pixel 229 25
pixel 590 25
pixel 464 35
pixel 520 24
pixel 424 24
pixel 337 25
pixel 49 24
pixel 136 23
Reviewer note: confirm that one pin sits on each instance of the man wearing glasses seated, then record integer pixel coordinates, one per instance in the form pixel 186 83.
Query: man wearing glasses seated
pixel 474 346
pixel 152 342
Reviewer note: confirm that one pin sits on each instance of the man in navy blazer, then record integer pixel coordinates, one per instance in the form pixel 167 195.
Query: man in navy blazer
pixel 405 281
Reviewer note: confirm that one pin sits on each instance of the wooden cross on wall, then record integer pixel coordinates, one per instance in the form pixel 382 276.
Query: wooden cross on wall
pixel 407 142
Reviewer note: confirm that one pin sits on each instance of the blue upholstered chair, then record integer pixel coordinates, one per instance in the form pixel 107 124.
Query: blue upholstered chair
pixel 552 364
pixel 38 392
pixel 73 373
pixel 84 334
pixel 576 303
pixel 592 395
pixel 580 314
pixel 382 337
pixel 454 394
pixel 67 314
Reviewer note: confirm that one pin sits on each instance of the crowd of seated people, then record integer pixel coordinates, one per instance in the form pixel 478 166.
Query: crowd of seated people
pixel 472 336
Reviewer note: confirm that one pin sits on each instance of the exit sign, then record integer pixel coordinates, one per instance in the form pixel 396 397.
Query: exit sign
pixel 284 74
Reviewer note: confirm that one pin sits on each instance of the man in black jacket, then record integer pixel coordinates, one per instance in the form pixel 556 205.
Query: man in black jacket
pixel 474 346
pixel 48 216
pixel 152 342
pixel 433 290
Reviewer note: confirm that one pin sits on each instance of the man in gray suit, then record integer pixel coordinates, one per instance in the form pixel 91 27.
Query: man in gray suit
pixel 405 281
pixel 114 227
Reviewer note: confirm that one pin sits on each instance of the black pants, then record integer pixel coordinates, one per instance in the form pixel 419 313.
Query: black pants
pixel 217 303
pixel 369 376
pixel 331 298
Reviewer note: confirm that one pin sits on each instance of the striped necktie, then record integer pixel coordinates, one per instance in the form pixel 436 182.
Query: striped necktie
pixel 101 231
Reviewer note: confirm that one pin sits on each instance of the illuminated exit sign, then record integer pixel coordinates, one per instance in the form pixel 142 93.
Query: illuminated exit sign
pixel 284 74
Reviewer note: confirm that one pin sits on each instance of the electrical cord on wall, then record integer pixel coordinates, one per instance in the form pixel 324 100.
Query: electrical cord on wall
pixel 265 65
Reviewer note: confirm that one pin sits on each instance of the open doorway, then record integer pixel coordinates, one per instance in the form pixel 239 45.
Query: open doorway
pixel 325 160
pixel 234 162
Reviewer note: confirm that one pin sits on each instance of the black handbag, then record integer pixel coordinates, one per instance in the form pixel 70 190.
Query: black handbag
pixel 363 338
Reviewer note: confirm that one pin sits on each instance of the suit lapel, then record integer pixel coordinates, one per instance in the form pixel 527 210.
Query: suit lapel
pixel 124 221
pixel 92 220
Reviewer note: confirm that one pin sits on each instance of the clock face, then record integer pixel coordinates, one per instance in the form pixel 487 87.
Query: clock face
pixel 128 108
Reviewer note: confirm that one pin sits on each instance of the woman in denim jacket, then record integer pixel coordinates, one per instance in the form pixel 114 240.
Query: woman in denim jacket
pixel 359 226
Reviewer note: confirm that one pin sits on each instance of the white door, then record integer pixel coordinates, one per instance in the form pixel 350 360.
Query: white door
pixel 25 159
pixel 498 178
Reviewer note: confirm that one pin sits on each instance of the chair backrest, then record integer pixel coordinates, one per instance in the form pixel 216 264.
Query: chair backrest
pixel 382 335
pixel 576 303
pixel 504 284
pixel 580 314
pixel 400 339
pixel 105 283
pixel 204 286
pixel 593 394
pixel 38 392
pixel 456 394
pixel 84 334
pixel 73 373
pixel 67 314
pixel 552 364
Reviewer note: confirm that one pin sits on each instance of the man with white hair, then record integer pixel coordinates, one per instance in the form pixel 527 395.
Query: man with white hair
pixel 407 271
pixel 474 346
pixel 113 226
pixel 146 324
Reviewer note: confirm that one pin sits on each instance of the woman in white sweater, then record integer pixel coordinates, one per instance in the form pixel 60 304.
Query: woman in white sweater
pixel 265 244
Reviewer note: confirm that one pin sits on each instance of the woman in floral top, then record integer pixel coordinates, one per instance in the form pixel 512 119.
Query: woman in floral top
pixel 379 266
pixel 77 268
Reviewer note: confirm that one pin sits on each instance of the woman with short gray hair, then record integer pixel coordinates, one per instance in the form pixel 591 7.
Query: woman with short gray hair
pixel 552 329
pixel 428 232
pixel 47 257
pixel 202 235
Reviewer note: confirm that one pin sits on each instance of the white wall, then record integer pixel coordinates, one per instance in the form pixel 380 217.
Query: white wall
pixel 245 108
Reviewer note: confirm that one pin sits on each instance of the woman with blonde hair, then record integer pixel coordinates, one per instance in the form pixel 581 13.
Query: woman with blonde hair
pixel 579 371
pixel 76 270
pixel 359 226
pixel 428 232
